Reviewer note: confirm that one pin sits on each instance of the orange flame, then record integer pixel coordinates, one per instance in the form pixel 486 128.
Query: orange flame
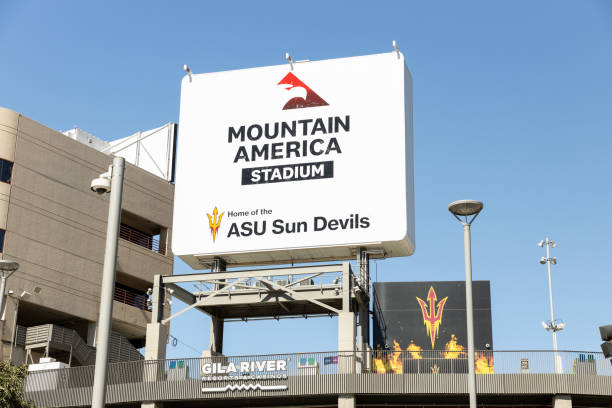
pixel 391 362
pixel 415 351
pixel 395 362
pixel 452 349
pixel 379 366
pixel 483 365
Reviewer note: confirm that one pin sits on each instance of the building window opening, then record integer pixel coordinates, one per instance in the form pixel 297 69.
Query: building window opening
pixel 2 240
pixel 6 171
pixel 142 232
pixel 131 296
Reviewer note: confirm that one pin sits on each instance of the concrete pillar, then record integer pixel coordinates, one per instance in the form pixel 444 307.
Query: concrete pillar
pixel 347 326
pixel 156 340
pixel 155 346
pixel 216 334
pixel 562 401
pixel 346 342
pixel 164 241
pixel 347 329
pixel 155 349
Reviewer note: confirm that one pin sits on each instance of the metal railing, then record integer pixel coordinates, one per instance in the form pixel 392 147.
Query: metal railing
pixel 144 240
pixel 328 373
pixel 489 362
pixel 130 298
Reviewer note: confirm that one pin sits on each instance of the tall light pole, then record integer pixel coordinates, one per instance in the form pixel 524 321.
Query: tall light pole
pixel 109 182
pixel 463 210
pixel 7 268
pixel 554 325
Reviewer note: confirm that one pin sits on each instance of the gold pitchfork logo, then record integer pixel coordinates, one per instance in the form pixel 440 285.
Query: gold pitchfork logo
pixel 214 223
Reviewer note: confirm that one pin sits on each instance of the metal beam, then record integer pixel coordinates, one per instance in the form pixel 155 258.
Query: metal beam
pixel 347 287
pixel 253 273
pixel 285 308
pixel 265 295
pixel 237 285
pixel 181 294
pixel 303 279
pixel 201 302
pixel 298 295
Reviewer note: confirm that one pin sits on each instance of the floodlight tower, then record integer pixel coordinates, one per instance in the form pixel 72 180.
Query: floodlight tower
pixel 467 209
pixel 554 325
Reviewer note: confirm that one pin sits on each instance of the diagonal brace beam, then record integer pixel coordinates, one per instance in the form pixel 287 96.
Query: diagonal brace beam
pixel 203 301
pixel 297 295
pixel 303 279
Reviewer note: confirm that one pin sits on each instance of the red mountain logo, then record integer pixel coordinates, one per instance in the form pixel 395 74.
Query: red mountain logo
pixel 311 100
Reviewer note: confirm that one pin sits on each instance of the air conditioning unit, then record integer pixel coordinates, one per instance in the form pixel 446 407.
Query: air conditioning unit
pixel 259 284
pixel 282 282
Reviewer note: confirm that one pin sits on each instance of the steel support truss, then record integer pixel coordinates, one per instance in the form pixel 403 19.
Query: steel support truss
pixel 270 293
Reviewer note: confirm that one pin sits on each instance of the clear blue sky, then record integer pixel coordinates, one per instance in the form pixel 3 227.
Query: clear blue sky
pixel 512 106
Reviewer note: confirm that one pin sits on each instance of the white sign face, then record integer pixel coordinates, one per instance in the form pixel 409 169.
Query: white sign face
pixel 244 374
pixel 286 165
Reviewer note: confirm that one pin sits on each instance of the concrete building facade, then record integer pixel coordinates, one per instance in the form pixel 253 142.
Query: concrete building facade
pixel 55 227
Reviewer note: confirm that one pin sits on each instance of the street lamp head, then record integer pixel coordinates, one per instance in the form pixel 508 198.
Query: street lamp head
pixel 542 260
pixel 465 208
pixel 553 260
pixel 546 326
pixel 541 243
pixel 10 266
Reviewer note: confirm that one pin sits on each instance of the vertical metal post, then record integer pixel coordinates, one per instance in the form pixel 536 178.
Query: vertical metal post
pixel 217 323
pixel 13 339
pixel 2 290
pixel 469 314
pixel 364 270
pixel 108 284
pixel 553 326
pixel 364 315
pixel 157 303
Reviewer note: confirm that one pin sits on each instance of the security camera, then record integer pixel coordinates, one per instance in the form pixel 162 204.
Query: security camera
pixel 101 185
pixel 488 346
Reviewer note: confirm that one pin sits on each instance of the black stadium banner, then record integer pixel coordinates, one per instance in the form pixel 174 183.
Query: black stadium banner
pixel 419 317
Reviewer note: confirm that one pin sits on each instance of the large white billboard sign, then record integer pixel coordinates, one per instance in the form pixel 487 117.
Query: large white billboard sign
pixel 278 165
